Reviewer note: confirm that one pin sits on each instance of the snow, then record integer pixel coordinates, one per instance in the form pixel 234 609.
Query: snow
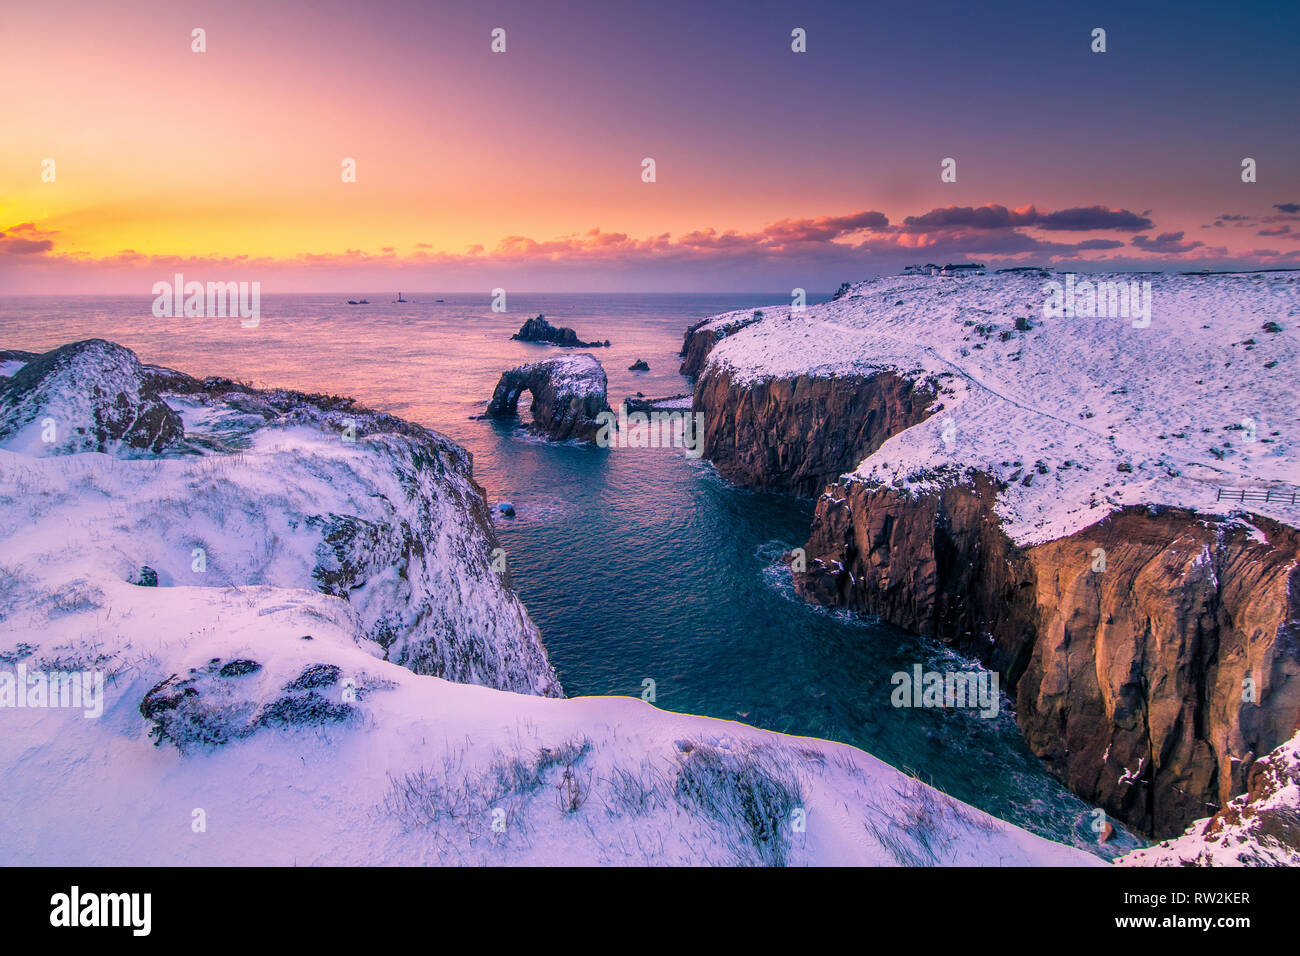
pixel 1199 400
pixel 579 374
pixel 338 569
pixel 680 402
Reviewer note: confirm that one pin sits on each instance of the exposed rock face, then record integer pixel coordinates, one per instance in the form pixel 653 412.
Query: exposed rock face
pixel 798 434
pixel 702 336
pixel 1261 827
pixel 214 705
pixel 16 356
pixel 86 396
pixel 568 393
pixel 539 330
pixel 1127 682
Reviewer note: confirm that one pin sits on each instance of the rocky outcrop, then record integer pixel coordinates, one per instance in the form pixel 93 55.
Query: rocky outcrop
pixel 17 356
pixel 395 532
pixel 1148 637
pixel 702 336
pixel 539 330
pixel 799 434
pixel 670 403
pixel 213 706
pixel 1261 827
pixel 86 396
pixel 569 392
pixel 1149 687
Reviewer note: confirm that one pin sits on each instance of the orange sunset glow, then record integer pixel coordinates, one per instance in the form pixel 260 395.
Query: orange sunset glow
pixel 128 149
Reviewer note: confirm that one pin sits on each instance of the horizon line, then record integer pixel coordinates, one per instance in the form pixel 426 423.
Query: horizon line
pixel 660 292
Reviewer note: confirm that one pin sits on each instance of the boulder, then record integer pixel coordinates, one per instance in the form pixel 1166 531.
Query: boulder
pixel 86 396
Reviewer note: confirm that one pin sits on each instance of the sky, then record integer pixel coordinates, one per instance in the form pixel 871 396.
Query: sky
pixel 524 169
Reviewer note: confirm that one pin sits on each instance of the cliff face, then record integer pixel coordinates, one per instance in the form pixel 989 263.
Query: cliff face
pixel 1128 682
pixel 1261 827
pixel 798 434
pixel 702 336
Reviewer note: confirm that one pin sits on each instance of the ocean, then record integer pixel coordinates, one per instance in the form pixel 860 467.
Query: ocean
pixel 637 564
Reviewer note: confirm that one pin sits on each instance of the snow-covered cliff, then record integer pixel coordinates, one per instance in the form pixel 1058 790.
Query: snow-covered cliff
pixel 310 655
pixel 1100 506
pixel 1079 416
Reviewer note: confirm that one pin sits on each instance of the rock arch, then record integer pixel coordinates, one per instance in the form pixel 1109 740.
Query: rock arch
pixel 569 392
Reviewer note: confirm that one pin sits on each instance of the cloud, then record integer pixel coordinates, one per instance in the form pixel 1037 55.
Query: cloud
pixel 825 228
pixel 1088 218
pixel 970 217
pixel 1167 242
pixel 1286 212
pixel 811 252
pixel 26 239
pixel 992 216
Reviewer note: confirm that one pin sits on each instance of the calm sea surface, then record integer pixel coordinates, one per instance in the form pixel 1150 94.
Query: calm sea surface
pixel 635 563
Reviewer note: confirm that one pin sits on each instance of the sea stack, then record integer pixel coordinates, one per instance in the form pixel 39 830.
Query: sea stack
pixel 539 330
pixel 569 392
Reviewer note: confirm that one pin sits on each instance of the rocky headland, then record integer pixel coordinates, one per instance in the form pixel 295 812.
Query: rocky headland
pixel 1048 497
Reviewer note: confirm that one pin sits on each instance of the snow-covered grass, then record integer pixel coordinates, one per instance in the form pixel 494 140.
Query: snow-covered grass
pixel 1078 416
pixel 419 768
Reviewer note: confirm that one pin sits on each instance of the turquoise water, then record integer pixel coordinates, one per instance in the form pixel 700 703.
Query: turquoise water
pixel 635 563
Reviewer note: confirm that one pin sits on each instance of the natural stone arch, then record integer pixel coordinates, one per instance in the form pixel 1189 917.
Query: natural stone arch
pixel 569 392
